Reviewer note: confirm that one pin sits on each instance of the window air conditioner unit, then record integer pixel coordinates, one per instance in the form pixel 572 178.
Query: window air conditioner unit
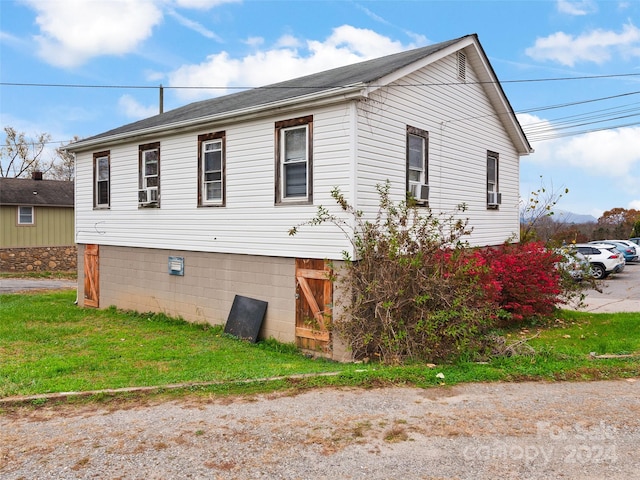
pixel 147 196
pixel 494 199
pixel 419 191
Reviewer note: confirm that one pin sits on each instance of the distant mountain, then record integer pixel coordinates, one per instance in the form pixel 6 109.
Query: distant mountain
pixel 562 216
pixel 570 217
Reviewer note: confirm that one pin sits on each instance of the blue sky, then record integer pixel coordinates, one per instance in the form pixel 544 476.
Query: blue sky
pixel 570 68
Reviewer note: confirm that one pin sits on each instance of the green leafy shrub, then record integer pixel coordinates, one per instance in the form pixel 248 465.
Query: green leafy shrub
pixel 415 294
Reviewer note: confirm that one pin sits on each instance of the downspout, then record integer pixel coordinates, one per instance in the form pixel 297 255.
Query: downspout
pixel 354 164
pixel 75 217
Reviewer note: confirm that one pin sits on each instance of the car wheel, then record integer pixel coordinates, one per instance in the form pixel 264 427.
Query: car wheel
pixel 598 271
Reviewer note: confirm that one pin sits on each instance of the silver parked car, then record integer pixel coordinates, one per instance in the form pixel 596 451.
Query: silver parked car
pixel 628 249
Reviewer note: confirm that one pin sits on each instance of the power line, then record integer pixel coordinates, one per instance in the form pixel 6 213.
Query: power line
pixel 539 131
pixel 240 87
pixel 553 136
pixel 580 102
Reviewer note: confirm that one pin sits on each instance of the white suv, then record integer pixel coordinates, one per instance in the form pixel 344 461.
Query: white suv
pixel 604 259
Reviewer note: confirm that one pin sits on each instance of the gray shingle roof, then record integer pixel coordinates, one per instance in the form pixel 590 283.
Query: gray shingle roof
pixel 359 73
pixel 28 192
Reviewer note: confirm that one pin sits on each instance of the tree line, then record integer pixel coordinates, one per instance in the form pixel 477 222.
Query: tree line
pixel 22 155
pixel 538 221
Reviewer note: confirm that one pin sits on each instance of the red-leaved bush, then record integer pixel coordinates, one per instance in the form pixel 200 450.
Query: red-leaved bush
pixel 523 279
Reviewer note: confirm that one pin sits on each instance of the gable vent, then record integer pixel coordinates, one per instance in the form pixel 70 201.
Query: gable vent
pixel 462 66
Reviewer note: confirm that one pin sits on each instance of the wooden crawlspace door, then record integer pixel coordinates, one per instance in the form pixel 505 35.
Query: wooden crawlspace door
pixel 314 300
pixel 91 276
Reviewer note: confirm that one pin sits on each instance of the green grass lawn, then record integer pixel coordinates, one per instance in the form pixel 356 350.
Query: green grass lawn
pixel 48 344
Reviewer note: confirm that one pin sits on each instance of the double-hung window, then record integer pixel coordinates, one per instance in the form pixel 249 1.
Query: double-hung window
pixel 149 175
pixel 294 160
pixel 25 216
pixel 211 169
pixel 418 164
pixel 494 197
pixel 101 180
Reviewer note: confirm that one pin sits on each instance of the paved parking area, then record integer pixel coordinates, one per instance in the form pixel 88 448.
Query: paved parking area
pixel 620 292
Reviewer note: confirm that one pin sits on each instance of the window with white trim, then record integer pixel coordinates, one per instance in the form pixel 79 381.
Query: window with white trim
pixel 149 171
pixel 418 164
pixel 25 216
pixel 211 169
pixel 294 166
pixel 101 180
pixel 494 197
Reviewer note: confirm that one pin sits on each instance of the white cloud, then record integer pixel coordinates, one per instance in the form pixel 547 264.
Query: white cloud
pixel 203 4
pixel 193 25
pixel 418 38
pixel 596 46
pixel 345 45
pixel 609 153
pixel 635 204
pixel 576 7
pixel 10 39
pixel 72 31
pixel 288 41
pixel 130 107
pixel 254 41
pixel 606 156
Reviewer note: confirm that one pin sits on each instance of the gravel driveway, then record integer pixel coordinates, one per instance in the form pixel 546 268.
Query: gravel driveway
pixel 587 430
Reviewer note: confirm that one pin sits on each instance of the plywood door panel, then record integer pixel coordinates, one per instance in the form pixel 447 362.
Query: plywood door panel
pixel 91 276
pixel 314 297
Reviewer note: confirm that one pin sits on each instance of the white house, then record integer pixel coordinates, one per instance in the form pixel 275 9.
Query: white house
pixel 182 211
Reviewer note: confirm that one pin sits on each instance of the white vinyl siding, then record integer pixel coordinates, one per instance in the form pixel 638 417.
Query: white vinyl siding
pixel 355 146
pixel 250 223
pixel 458 145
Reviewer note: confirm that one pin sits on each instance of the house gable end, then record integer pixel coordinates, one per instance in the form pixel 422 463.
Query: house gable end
pixel 490 84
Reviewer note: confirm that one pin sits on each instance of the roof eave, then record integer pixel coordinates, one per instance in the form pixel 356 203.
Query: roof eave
pixel 324 97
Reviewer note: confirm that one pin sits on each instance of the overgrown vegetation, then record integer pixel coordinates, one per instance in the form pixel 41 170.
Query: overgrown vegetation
pixel 419 292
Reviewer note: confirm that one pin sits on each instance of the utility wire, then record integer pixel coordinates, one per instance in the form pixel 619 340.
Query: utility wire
pixel 554 136
pixel 539 131
pixel 267 87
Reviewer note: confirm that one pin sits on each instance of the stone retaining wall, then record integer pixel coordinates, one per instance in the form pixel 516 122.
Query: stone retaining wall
pixel 39 259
